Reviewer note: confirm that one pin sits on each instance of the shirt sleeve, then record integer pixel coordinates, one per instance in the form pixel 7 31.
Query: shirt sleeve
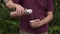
pixel 16 1
pixel 50 5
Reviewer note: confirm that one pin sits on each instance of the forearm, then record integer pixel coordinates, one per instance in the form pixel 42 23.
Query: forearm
pixel 48 18
pixel 10 4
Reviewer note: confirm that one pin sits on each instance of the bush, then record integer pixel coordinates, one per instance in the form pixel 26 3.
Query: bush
pixel 54 26
pixel 8 25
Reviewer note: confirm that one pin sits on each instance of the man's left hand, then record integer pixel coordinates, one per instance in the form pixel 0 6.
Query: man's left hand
pixel 35 23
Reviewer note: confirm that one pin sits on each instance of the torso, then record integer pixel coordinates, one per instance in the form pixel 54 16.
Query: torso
pixel 39 12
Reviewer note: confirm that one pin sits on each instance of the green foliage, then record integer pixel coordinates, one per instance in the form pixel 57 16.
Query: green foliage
pixel 54 26
pixel 10 25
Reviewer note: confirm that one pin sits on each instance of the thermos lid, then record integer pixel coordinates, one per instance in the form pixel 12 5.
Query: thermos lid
pixel 29 11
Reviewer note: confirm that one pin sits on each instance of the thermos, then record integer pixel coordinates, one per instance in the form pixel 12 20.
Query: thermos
pixel 26 12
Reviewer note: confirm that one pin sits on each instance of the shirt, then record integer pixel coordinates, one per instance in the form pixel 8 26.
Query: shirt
pixel 40 9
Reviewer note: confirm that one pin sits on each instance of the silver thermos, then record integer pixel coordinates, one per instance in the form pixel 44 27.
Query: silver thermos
pixel 26 12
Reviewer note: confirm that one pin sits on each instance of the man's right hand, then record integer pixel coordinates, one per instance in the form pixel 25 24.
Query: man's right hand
pixel 20 10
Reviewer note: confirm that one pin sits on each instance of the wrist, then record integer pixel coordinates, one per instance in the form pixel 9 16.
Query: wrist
pixel 17 5
pixel 41 23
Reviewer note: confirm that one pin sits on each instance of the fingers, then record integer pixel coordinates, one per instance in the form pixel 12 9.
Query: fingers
pixel 36 20
pixel 20 11
pixel 13 14
pixel 23 12
pixel 34 23
pixel 16 13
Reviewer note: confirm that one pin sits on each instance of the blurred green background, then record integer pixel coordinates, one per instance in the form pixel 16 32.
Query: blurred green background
pixel 11 26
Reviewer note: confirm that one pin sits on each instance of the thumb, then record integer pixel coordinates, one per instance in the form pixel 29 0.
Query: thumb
pixel 37 20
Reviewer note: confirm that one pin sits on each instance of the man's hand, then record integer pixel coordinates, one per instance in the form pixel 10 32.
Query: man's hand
pixel 13 14
pixel 35 23
pixel 20 10
pixel 39 23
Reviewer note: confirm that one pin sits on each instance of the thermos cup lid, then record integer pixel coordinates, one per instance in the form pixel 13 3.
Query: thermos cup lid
pixel 29 11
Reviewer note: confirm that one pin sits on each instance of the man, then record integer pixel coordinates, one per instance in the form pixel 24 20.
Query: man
pixel 42 15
